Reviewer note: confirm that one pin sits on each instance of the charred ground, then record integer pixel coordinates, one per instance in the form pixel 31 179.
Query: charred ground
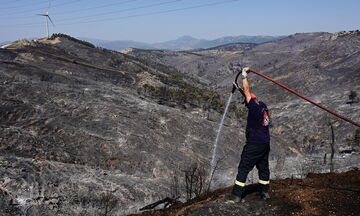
pixel 317 194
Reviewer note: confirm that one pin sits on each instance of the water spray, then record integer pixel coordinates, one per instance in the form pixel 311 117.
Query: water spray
pixel 213 159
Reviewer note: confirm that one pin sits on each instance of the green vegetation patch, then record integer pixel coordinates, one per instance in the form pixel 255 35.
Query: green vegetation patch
pixel 187 94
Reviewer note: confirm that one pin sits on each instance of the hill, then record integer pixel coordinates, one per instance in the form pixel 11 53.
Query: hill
pixel 324 67
pixel 80 125
pixel 89 131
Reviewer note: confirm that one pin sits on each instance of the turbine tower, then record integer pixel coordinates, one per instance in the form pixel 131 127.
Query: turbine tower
pixel 47 19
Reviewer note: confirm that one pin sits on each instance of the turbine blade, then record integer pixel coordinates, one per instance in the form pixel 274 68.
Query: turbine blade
pixel 50 20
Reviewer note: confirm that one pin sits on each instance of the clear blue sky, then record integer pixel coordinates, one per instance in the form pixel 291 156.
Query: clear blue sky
pixel 161 20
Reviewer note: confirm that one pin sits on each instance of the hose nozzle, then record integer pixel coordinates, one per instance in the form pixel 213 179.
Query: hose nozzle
pixel 233 89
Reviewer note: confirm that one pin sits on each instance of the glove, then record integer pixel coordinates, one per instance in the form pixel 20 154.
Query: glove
pixel 244 72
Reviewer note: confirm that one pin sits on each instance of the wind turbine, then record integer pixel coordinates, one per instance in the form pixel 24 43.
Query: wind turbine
pixel 47 19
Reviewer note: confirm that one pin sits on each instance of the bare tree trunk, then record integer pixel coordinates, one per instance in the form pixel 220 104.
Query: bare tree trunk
pixel 332 148
pixel 187 185
pixel 191 183
pixel 194 180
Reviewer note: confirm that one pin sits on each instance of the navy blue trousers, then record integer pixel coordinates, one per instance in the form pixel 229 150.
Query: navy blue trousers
pixel 254 154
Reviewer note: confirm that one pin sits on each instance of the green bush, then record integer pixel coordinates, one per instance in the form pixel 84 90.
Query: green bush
pixel 195 97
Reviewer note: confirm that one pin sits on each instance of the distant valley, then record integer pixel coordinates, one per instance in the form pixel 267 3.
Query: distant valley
pixel 182 43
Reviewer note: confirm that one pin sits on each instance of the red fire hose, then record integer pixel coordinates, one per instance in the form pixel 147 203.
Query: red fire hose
pixel 299 95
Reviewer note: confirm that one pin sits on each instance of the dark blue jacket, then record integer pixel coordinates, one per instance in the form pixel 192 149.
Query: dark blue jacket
pixel 257 128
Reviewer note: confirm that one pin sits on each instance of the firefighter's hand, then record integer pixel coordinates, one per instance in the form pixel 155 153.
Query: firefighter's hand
pixel 244 72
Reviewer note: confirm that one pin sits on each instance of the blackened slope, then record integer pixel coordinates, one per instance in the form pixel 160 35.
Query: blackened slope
pixel 76 128
pixel 322 66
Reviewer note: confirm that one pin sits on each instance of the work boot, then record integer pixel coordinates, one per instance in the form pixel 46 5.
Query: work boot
pixel 233 198
pixel 236 194
pixel 264 191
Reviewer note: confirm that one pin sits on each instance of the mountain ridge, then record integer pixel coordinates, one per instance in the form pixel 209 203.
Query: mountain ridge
pixel 185 42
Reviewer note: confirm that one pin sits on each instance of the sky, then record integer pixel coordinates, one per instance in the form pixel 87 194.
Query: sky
pixel 154 21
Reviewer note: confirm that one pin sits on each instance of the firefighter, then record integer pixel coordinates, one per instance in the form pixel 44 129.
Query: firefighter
pixel 257 147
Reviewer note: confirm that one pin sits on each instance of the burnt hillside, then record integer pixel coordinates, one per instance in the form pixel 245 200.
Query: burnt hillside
pixel 90 131
pixel 322 66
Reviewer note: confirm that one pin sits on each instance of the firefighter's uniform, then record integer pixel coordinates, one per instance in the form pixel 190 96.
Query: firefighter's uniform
pixel 256 150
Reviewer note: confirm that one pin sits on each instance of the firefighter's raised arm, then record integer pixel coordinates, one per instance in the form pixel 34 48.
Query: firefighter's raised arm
pixel 246 84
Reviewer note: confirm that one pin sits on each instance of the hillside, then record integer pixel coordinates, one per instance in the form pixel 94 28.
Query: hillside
pixel 90 131
pixel 324 67
pixel 81 124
